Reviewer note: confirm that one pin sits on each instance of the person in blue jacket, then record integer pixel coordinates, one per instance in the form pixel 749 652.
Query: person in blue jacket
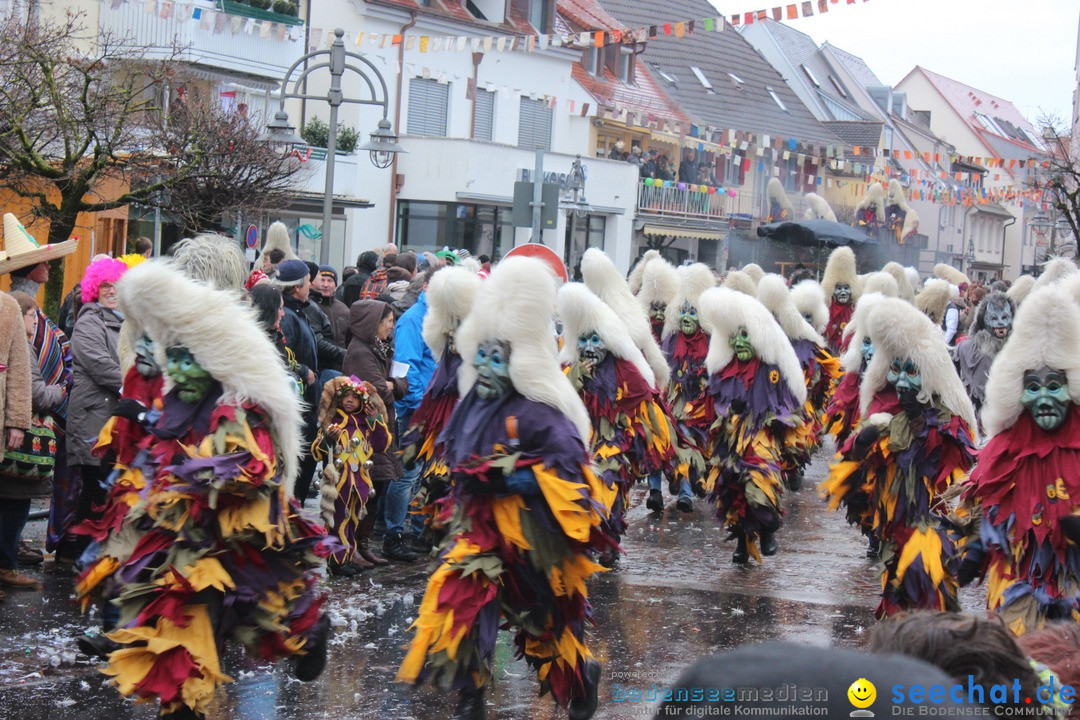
pixel 409 349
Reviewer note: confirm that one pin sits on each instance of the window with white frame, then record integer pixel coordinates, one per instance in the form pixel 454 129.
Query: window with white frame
pixel 776 99
pixel 484 123
pixel 534 125
pixel 428 107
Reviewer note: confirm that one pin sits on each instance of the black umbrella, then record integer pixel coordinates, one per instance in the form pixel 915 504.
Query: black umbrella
pixel 815 232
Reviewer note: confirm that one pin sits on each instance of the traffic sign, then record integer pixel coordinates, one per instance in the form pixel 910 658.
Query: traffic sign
pixel 542 252
pixel 251 237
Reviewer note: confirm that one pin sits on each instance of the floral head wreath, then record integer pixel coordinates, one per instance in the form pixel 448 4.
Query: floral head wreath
pixel 354 385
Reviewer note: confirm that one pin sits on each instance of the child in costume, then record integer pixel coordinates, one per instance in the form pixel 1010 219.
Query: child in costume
pixel 528 510
pixel 820 372
pixel 222 549
pixel 450 295
pixel 352 427
pixel 840 283
pixel 914 443
pixel 756 392
pixel 685 344
pixel 1023 486
pixel 632 433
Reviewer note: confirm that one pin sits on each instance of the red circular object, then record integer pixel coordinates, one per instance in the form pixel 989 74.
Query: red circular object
pixel 542 252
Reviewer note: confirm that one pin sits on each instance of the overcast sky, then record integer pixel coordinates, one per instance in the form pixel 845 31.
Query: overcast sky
pixel 1020 50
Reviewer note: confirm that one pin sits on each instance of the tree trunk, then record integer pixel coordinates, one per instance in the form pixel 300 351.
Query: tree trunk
pixel 59 231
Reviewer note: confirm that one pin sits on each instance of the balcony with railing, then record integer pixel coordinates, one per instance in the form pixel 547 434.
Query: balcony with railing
pixel 690 203
pixel 202 33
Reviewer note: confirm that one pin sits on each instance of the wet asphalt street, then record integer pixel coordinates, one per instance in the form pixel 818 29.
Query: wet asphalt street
pixel 674 598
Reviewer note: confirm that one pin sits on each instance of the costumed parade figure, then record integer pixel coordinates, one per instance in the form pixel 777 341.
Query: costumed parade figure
pixel 659 284
pixel 222 550
pixel 780 208
pixel 809 299
pixel 840 283
pixel 914 443
pixel 903 222
pixel 632 433
pixel 905 290
pixel 352 428
pixel 637 273
pixel 975 354
pixel 820 373
pixel 740 282
pixel 528 510
pixel 686 345
pixel 817 208
pixel 755 272
pixel 1020 288
pixel 1022 488
pixel 1054 271
pixel 854 492
pixel 870 212
pixel 756 392
pixel 450 295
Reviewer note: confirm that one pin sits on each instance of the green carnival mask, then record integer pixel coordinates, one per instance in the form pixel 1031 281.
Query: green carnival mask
pixel 191 380
pixel 740 343
pixel 688 319
pixel 492 363
pixel 1046 397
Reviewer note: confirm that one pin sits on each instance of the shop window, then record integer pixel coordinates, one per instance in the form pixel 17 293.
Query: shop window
pixel 431 226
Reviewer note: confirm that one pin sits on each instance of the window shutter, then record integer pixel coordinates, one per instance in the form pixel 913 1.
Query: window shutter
pixel 534 127
pixel 427 107
pixel 485 115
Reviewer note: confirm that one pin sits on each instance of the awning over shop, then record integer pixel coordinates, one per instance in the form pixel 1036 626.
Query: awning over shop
pixel 679 231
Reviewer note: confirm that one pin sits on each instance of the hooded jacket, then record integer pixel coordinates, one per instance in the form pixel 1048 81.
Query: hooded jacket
pixel 410 348
pixel 363 360
pixel 97 380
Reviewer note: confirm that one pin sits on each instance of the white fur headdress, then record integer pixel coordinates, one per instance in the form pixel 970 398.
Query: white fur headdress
pixel 809 298
pixel 904 288
pixel 724 311
pixel 215 260
pixel 606 282
pixel 1046 332
pixel 874 198
pixel 637 272
pixel 856 330
pixel 914 279
pixel 882 283
pixel 1055 270
pixel 934 298
pixel 911 218
pixel 755 272
pixel 583 312
pixel 659 284
pixel 277 238
pixel 450 294
pixel 950 274
pixel 774 191
pixel 740 282
pixel 225 337
pixel 840 269
pixel 900 331
pixel 515 305
pixel 693 280
pixel 1020 289
pixel 817 208
pixel 773 293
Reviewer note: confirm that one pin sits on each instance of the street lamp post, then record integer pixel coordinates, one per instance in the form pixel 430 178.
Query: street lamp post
pixel 383 144
pixel 578 207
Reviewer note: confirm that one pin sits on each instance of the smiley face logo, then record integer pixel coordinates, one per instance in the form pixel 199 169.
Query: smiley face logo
pixel 862 693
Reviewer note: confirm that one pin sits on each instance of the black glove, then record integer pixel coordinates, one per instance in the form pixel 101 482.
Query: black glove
pixel 865 440
pixel 1070 525
pixel 909 401
pixel 968 571
pixel 738 405
pixel 131 409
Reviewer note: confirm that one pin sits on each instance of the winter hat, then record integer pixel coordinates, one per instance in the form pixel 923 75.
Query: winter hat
pixel 329 271
pixel 292 272
pixel 368 261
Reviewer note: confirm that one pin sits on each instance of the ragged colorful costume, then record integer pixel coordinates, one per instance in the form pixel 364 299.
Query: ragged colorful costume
pixel 914 443
pixel 527 512
pixel 820 371
pixel 450 295
pixel 633 434
pixel 352 428
pixel 686 345
pixel 1021 493
pixel 840 282
pixel 222 550
pixel 853 492
pixel 755 394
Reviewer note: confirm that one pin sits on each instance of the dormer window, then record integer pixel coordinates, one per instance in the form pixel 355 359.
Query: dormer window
pixel 627 65
pixel 738 80
pixel 776 99
pixel 703 80
pixel 810 74
pixel 839 88
pixel 590 60
pixel 493 11
pixel 540 15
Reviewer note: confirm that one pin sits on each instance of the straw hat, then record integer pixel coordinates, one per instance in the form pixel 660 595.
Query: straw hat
pixel 22 250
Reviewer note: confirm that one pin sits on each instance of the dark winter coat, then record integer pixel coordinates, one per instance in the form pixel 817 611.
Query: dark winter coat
pixel 329 354
pixel 337 313
pixel 300 339
pixel 96 380
pixel 366 362
pixel 349 291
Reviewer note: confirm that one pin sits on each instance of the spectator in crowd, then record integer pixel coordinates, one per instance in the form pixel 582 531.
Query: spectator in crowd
pixel 335 311
pixel 330 353
pixel 72 303
pixel 270 308
pixel 1056 646
pixel 409 349
pixel 370 358
pixel 144 246
pixel 294 280
pixel 366 264
pixel 346 272
pixel 376 283
pixel 398 277
pixel 688 169
pixel 634 158
pixel 29 279
pixel 648 165
pixel 618 151
pixel 95 391
pixel 15 399
pixel 663 169
pixel 961 645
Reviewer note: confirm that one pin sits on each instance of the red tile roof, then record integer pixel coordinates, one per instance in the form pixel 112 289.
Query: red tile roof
pixel 514 23
pixel 588 15
pixel 644 96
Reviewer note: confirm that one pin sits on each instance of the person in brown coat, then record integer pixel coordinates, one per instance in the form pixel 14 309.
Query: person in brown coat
pixel 16 408
pixel 337 312
pixel 369 358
